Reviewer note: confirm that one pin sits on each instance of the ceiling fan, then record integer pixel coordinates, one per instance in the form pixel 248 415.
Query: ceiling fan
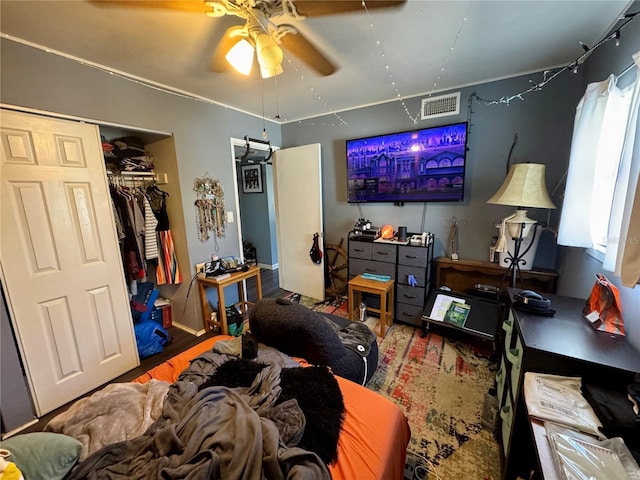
pixel 259 32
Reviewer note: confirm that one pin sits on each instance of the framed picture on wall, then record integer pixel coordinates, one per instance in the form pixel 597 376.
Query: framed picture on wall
pixel 252 179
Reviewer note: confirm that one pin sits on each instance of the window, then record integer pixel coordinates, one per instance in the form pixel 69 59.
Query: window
pixel 603 172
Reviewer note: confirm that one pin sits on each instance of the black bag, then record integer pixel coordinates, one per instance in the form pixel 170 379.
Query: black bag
pixel 235 321
pixel 315 253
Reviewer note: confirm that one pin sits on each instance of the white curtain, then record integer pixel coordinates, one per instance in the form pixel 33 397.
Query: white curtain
pixel 598 135
pixel 626 207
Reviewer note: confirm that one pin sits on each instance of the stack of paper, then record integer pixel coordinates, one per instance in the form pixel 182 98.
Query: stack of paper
pixel 559 399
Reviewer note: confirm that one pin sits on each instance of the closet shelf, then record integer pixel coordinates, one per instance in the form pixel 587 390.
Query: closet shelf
pixel 159 178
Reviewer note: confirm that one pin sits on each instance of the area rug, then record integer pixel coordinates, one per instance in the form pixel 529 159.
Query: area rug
pixel 440 385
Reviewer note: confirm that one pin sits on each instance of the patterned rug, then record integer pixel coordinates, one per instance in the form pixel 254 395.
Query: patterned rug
pixel 440 385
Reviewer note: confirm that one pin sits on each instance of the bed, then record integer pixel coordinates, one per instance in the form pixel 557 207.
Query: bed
pixel 371 443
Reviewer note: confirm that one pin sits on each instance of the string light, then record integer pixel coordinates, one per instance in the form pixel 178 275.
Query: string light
pixel 318 97
pixel 573 66
pixel 394 86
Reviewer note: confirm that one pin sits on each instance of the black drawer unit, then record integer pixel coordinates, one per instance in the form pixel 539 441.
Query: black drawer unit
pixel 408 265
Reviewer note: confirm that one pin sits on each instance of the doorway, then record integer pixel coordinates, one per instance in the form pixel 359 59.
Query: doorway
pixel 256 202
pixel 297 197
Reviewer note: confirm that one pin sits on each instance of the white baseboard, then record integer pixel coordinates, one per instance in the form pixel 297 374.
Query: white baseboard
pixel 268 267
pixel 189 330
pixel 19 429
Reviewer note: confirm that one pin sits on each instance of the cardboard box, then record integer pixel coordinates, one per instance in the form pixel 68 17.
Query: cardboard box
pixel 162 312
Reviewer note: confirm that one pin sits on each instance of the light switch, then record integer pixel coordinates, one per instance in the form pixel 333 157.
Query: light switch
pixel 229 217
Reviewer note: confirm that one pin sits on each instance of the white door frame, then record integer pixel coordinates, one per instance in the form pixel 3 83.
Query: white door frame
pixel 241 142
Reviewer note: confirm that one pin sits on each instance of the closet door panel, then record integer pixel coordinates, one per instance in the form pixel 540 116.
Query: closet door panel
pixel 84 222
pixel 60 258
pixel 34 226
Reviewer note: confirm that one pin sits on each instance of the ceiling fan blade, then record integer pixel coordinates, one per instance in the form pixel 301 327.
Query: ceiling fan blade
pixel 313 8
pixel 304 50
pixel 231 36
pixel 197 6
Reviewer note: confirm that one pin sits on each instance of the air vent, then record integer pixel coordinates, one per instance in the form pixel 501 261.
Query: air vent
pixel 441 106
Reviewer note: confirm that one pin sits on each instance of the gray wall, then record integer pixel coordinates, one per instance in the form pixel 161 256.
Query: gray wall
pixel 15 401
pixel 543 121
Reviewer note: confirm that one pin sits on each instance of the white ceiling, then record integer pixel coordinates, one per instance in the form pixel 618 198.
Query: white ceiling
pixel 416 46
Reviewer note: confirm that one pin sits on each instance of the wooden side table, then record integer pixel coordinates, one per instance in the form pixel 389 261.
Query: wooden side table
pixel 359 285
pixel 235 278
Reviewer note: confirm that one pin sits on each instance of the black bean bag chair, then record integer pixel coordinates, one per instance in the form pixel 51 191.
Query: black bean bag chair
pixel 349 348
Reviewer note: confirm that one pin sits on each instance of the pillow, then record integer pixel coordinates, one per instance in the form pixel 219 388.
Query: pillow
pixel 43 455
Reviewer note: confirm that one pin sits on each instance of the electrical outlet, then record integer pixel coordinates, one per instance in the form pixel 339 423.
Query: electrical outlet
pixel 229 217
pixel 200 267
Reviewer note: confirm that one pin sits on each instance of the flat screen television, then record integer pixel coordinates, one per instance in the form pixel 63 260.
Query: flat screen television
pixel 425 165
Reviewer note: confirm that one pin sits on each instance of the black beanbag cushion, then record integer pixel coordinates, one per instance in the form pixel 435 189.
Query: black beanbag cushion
pixel 300 332
pixel 295 330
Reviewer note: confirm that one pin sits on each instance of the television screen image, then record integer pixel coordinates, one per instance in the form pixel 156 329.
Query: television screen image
pixel 425 165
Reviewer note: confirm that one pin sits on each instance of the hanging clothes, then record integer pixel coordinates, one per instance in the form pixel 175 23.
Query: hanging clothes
pixel 150 237
pixel 132 222
pixel 167 270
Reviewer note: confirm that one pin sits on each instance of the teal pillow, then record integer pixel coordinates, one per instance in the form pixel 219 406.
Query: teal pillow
pixel 43 455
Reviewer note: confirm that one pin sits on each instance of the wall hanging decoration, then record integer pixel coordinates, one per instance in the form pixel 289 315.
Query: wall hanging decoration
pixel 210 214
pixel 252 179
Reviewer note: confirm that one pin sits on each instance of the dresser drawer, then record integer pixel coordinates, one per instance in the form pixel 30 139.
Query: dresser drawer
pixel 410 295
pixel 358 266
pixel 506 418
pixel 418 273
pixel 381 252
pixel 507 326
pixel 514 356
pixel 412 256
pixel 501 378
pixel 360 250
pixel 411 314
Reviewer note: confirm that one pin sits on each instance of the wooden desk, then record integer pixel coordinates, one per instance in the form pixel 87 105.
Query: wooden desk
pixel 235 278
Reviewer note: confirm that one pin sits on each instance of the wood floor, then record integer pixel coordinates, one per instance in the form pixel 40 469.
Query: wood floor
pixel 180 342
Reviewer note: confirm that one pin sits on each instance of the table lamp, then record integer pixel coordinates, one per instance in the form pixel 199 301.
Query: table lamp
pixel 524 188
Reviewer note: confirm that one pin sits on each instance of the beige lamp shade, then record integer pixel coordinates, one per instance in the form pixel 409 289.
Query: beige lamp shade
pixel 524 187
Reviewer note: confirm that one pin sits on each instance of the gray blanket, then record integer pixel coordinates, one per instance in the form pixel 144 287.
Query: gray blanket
pixel 216 433
pixel 117 412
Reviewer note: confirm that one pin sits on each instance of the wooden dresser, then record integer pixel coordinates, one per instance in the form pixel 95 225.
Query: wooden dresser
pixel 463 275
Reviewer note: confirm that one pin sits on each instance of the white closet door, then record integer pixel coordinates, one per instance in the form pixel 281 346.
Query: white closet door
pixel 60 258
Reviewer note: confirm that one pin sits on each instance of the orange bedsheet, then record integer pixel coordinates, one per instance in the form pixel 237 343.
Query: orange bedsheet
pixel 375 433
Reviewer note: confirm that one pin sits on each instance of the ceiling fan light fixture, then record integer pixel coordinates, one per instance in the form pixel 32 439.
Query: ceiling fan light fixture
pixel 214 9
pixel 269 53
pixel 240 56
pixel 268 73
